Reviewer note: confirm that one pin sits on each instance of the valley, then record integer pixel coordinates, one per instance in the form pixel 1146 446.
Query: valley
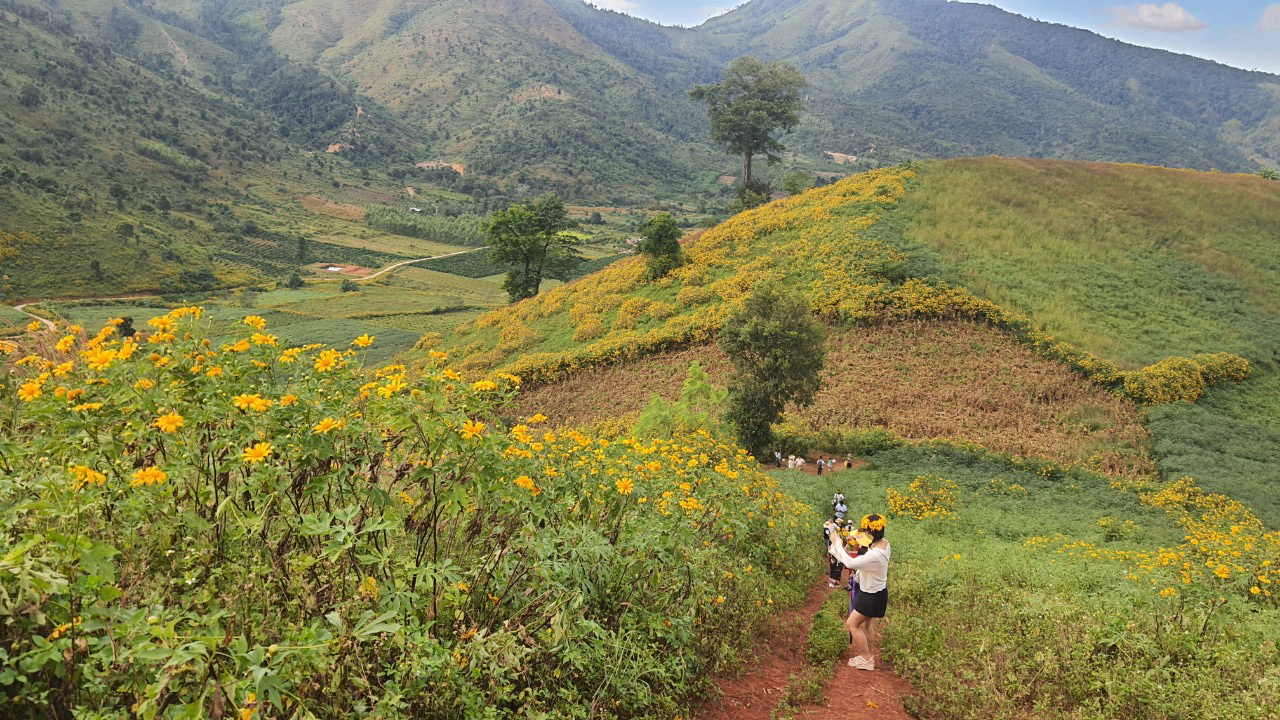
pixel 431 359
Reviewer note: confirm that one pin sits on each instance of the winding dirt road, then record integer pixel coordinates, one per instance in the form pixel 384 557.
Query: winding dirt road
pixel 389 268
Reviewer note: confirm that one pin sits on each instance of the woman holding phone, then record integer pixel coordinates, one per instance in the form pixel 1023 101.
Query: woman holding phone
pixel 871 571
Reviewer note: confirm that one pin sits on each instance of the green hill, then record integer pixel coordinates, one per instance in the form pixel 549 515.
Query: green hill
pixel 1127 264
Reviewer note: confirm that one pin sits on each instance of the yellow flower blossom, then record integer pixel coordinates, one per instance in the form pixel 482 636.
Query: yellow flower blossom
pixel 101 359
pixel 29 391
pixel 484 386
pixel 324 426
pixel 471 429
pixel 148 476
pixel 170 422
pixel 328 360
pixel 527 483
pixel 624 486
pixel 363 341
pixel 257 453
pixel 255 321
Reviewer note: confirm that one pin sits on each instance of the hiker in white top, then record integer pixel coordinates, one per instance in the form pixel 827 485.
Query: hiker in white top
pixel 837 499
pixel 871 571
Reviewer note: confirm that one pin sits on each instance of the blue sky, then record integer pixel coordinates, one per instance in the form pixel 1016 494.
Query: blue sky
pixel 1243 33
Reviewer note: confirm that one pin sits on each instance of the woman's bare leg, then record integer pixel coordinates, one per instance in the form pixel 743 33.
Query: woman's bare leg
pixel 856 625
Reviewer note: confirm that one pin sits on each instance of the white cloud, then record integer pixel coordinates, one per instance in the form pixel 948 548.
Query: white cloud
pixel 619 5
pixel 1270 21
pixel 1169 17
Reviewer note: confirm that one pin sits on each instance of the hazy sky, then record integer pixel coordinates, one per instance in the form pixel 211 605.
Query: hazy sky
pixel 1243 33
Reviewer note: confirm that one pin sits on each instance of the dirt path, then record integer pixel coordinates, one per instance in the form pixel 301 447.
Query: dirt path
pixel 850 695
pixel 23 309
pixel 754 695
pixel 389 268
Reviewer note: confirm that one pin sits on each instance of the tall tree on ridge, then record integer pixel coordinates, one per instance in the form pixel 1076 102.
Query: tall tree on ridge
pixel 754 101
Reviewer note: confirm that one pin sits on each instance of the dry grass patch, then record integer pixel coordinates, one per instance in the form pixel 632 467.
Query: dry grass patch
pixel 322 206
pixel 921 380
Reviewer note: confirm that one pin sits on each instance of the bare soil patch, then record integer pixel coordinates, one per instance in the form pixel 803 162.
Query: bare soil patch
pixel 343 271
pixel 922 380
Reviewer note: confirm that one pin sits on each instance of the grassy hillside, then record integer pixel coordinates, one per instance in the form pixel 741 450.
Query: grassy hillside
pixel 1134 263
pixel 921 380
pixel 1155 272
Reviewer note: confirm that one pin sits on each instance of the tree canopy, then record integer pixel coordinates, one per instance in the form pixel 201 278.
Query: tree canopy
pixel 660 244
pixel 753 102
pixel 530 240
pixel 777 349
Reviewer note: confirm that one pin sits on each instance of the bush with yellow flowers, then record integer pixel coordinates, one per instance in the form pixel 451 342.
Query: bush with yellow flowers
pixel 201 528
pixel 818 243
pixel 928 496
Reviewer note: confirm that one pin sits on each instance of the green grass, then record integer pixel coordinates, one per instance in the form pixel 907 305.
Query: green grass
pixel 985 626
pixel 1135 264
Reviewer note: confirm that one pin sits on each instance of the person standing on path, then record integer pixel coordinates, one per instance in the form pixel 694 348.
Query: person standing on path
pixel 871 571
pixel 821 463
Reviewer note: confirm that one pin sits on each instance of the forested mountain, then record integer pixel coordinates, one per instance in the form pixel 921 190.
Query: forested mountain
pixel 567 92
pixel 131 140
pixel 560 95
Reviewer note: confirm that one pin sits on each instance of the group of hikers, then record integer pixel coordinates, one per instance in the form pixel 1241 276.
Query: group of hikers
pixel 859 547
pixel 791 462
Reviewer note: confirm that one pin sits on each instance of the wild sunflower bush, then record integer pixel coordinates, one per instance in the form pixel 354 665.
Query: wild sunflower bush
pixel 199 529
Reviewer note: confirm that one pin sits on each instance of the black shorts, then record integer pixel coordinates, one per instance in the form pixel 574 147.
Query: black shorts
pixel 872 604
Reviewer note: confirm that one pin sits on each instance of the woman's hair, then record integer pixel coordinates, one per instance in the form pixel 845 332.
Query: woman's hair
pixel 874 524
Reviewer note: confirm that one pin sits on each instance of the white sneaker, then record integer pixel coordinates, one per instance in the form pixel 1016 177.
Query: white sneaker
pixel 857 661
pixel 870 664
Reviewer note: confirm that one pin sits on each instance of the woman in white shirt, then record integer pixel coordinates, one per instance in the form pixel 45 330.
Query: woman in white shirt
pixel 871 572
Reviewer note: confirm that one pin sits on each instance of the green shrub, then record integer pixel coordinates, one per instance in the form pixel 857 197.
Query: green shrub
pixel 193 527
pixel 170 156
pixel 461 230
pixel 828 639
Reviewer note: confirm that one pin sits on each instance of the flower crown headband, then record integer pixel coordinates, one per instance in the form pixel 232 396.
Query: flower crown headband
pixel 876 525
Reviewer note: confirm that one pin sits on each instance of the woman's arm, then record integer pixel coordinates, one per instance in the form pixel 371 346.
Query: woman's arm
pixel 853 563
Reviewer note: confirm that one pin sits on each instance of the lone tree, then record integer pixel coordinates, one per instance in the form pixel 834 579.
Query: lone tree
pixel 530 240
pixel 754 101
pixel 660 244
pixel 777 348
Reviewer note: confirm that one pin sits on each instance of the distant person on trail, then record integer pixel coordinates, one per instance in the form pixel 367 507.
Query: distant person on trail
pixel 821 463
pixel 871 572
pixel 841 509
pixel 777 456
pixel 848 461
pixel 831 533
pixel 837 499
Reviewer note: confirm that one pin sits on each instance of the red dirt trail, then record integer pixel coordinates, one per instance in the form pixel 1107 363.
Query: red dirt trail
pixel 850 695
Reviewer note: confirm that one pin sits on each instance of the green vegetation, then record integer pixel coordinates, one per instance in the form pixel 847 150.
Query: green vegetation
pixel 464 230
pixel 170 156
pixel 660 244
pixel 778 351
pixel 752 104
pixel 531 242
pixel 325 541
